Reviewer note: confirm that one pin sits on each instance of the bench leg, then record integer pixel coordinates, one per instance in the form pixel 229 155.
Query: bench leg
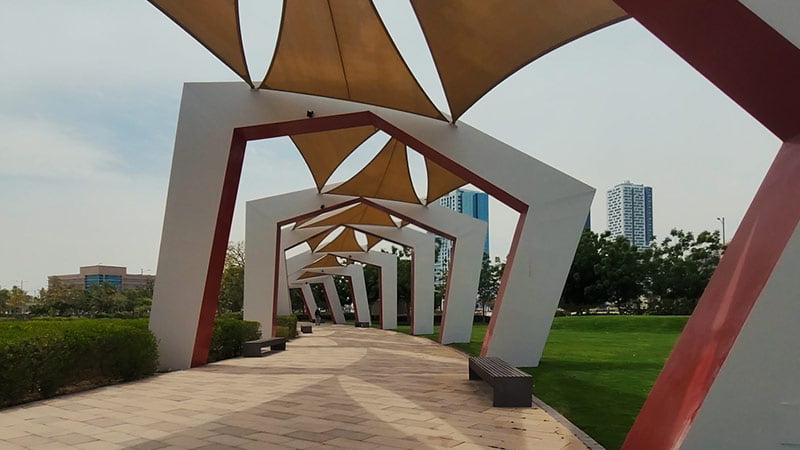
pixel 281 346
pixel 473 375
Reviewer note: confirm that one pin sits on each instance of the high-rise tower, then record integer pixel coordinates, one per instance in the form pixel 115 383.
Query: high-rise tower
pixel 630 212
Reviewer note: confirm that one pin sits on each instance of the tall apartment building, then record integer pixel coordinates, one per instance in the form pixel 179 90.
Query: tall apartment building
pixel 89 276
pixel 630 212
pixel 471 203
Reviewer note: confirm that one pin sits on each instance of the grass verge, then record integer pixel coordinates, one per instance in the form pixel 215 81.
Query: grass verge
pixel 597 370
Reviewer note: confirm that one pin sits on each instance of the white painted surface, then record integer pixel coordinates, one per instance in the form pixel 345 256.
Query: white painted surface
pixel 337 314
pixel 754 403
pixel 558 205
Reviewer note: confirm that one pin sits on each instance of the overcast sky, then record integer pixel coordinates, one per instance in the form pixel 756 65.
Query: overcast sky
pixel 90 89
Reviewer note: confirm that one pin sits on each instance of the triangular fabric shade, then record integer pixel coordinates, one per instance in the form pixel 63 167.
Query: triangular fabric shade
pixel 324 151
pixel 326 261
pixel 361 214
pixel 440 181
pixel 344 242
pixel 387 176
pixel 213 23
pixel 476 44
pixel 372 240
pixel 305 275
pixel 341 49
pixel 315 240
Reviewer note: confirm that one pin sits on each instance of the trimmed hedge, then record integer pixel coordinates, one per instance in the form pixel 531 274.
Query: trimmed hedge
pixel 228 336
pixel 39 358
pixel 286 326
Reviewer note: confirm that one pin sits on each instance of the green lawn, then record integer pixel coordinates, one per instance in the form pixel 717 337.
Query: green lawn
pixel 597 370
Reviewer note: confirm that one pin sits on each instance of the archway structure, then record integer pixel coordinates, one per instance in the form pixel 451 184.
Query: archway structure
pixel 750 49
pixel 265 216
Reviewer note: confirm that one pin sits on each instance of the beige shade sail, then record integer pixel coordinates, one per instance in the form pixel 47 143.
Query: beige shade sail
pixel 476 44
pixel 359 214
pixel 372 240
pixel 314 241
pixel 440 181
pixel 387 176
pixel 325 261
pixel 213 23
pixel 341 49
pixel 344 242
pixel 305 275
pixel 324 151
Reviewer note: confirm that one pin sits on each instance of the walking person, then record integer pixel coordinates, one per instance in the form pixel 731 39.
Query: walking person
pixel 318 316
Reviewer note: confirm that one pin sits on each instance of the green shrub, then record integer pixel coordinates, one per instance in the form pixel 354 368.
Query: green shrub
pixel 228 336
pixel 281 331
pixel 290 323
pixel 39 358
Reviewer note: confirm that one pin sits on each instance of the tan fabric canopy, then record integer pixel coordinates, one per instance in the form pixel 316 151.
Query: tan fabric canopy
pixel 387 176
pixel 372 240
pixel 360 213
pixel 305 275
pixel 314 241
pixel 476 44
pixel 341 49
pixel 440 181
pixel 344 242
pixel 215 24
pixel 324 151
pixel 326 261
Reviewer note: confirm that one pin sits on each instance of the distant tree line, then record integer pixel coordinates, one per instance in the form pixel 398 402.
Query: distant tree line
pixel 666 278
pixel 102 300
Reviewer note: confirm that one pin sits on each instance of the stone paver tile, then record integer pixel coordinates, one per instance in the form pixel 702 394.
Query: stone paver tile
pixel 30 440
pixel 349 434
pixel 394 442
pixel 310 436
pixel 74 438
pixel 186 442
pixel 349 443
pixel 98 445
pixel 143 444
pixel 269 438
pixel 227 439
pixel 114 436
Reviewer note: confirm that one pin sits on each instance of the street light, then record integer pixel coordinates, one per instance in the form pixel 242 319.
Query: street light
pixel 722 220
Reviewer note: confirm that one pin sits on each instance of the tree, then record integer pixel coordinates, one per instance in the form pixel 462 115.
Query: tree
pixel 680 268
pixel 620 272
pixel 582 275
pixel 489 283
pixel 4 294
pixel 231 291
pixel 17 300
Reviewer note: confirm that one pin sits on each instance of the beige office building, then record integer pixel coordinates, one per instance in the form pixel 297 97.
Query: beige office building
pixel 95 275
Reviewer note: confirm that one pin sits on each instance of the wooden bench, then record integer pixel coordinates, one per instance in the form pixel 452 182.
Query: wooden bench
pixel 362 324
pixel 305 328
pixel 253 348
pixel 512 387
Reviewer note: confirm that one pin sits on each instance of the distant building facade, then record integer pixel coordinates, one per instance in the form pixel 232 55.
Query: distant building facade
pixel 89 276
pixel 630 212
pixel 471 203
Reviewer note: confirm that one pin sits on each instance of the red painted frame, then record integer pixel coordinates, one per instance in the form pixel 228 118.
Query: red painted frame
pixel 239 138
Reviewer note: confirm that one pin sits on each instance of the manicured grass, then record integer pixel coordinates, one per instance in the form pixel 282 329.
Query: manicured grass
pixel 597 370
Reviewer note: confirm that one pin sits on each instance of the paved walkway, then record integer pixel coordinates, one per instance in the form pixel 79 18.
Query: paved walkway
pixel 338 387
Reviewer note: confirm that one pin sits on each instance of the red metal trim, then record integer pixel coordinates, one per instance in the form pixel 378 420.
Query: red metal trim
pixel 723 309
pixel 310 318
pixel 411 293
pixel 328 302
pixel 240 137
pixel 736 50
pixel 501 291
pixel 353 298
pixel 219 246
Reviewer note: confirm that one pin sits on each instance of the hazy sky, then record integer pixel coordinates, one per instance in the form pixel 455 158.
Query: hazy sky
pixel 90 89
